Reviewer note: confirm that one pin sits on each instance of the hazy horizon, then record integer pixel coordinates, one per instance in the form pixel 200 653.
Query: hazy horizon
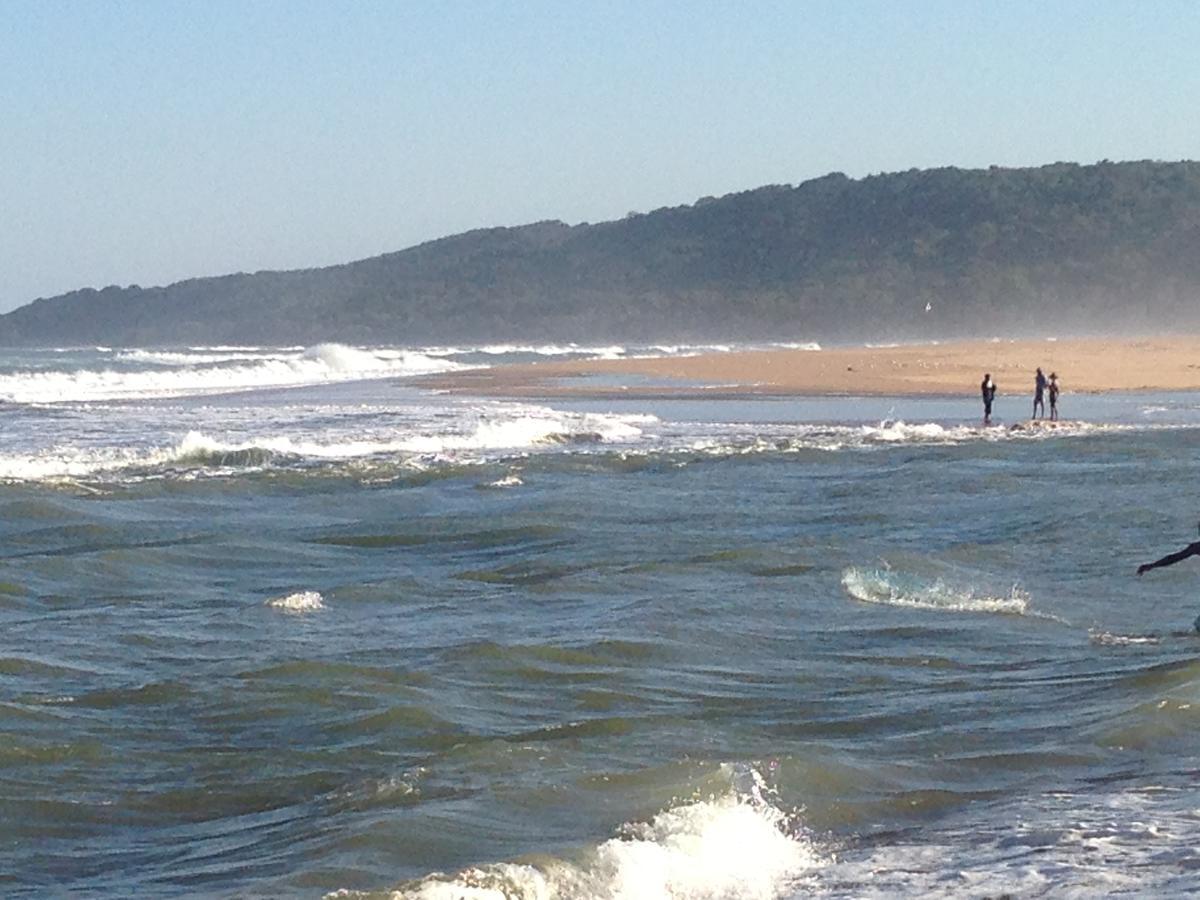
pixel 148 145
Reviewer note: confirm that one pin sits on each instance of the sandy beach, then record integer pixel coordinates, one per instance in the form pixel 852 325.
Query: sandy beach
pixel 1083 365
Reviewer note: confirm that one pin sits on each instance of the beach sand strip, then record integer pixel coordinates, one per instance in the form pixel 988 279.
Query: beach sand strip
pixel 1083 365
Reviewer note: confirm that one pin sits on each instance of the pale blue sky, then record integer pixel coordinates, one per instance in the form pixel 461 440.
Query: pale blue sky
pixel 145 142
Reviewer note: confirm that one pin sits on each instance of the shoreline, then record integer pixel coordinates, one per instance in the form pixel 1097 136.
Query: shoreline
pixel 951 369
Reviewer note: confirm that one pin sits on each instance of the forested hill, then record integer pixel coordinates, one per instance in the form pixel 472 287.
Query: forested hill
pixel 1058 249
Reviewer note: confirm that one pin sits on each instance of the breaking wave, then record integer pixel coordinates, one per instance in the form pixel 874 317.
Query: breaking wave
pixel 735 847
pixel 194 356
pixel 613 351
pixel 176 373
pixel 473 436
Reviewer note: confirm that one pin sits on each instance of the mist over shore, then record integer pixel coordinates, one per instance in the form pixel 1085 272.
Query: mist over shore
pixel 917 255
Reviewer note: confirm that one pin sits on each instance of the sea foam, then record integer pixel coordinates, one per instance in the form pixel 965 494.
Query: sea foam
pixel 299 602
pixel 521 429
pixel 173 374
pixel 1135 841
pixel 728 848
pixel 469 434
pixel 895 589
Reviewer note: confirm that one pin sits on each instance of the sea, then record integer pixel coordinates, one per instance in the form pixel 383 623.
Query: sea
pixel 289 622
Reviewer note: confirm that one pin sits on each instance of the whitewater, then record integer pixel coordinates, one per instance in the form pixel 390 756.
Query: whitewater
pixel 281 621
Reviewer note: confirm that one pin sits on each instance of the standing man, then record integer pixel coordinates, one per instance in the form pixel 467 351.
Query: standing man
pixel 1039 394
pixel 988 389
pixel 1053 391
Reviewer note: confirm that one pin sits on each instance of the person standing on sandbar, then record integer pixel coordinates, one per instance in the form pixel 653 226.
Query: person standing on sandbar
pixel 1039 392
pixel 988 389
pixel 1052 390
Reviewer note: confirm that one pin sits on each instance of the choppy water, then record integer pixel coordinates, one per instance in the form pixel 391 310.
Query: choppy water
pixel 278 623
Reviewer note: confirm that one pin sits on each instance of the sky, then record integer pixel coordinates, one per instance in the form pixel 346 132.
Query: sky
pixel 148 142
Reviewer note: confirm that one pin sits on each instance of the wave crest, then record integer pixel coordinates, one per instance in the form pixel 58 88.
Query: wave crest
pixel 892 588
pixel 735 847
pixel 179 373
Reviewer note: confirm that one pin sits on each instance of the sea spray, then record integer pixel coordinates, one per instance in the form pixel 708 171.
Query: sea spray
pixel 905 589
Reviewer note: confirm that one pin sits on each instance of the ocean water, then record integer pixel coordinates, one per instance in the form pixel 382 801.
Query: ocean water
pixel 280 622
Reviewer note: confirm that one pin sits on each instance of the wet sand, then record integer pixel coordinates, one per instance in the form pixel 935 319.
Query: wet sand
pixel 1084 365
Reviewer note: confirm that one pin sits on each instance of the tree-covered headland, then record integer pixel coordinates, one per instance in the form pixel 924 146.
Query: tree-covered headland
pixel 921 254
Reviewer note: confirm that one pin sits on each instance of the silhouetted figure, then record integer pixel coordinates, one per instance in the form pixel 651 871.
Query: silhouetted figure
pixel 1052 390
pixel 1192 549
pixel 988 389
pixel 1039 392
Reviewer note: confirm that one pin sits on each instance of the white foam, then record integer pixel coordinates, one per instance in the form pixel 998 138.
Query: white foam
pixel 891 589
pixel 219 348
pixel 194 356
pixel 57 464
pixel 197 447
pixel 681 350
pixel 458 432
pixel 526 429
pixel 801 345
pixel 471 435
pixel 508 481
pixel 901 432
pixel 299 602
pixel 735 439
pixel 182 374
pixel 612 351
pixel 1137 842
pixel 721 848
pixel 1105 638
pixel 728 848
pixel 68 463
pixel 604 352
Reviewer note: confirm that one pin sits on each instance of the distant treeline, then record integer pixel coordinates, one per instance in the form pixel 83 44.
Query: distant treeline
pixel 935 253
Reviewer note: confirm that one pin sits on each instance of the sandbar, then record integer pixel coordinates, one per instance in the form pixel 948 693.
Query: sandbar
pixel 951 368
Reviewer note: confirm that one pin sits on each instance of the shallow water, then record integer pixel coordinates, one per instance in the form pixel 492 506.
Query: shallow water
pixel 343 635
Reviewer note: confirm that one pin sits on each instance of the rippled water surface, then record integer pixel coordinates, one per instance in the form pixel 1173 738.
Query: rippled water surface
pixel 279 623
